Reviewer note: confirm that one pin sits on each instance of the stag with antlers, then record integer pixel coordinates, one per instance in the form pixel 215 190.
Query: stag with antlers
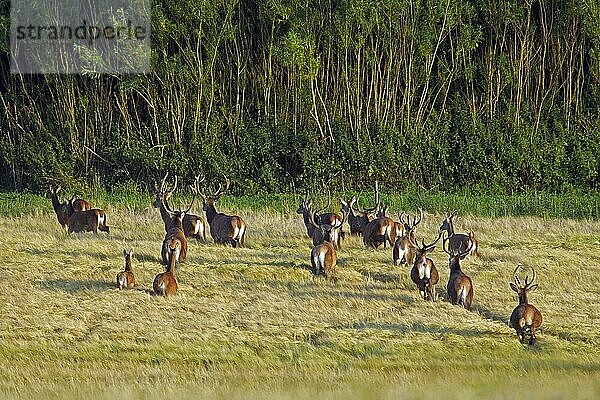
pixel 323 256
pixel 403 253
pixel 67 208
pixel 193 225
pixel 460 286
pixel 525 318
pixel 379 231
pixel 175 237
pixel 458 241
pixel 424 273
pixel 226 229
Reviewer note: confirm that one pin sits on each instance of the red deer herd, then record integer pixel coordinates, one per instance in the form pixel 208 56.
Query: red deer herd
pixel 325 230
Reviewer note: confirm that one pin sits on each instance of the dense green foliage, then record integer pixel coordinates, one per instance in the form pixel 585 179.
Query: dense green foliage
pixel 497 96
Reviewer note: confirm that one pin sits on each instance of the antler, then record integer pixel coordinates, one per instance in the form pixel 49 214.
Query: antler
pixel 162 183
pixel 515 277
pixel 220 191
pixel 412 239
pixel 328 203
pixel 415 223
pixel 432 244
pixel 528 284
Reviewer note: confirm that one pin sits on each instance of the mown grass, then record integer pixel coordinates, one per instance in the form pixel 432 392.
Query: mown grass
pixel 254 323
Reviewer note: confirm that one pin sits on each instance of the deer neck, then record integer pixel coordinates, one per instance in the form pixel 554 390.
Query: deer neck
pixel 55 203
pixel 127 263
pixel 523 298
pixel 455 267
pixel 211 213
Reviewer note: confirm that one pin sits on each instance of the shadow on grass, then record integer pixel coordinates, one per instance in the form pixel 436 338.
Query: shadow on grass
pixel 74 285
pixel 423 328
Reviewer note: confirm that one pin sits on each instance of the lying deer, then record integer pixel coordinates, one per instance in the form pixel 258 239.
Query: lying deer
pixel 525 318
pixel 460 286
pixel 228 229
pixel 403 253
pixel 458 241
pixel 193 225
pixel 424 273
pixel 125 279
pixel 175 236
pixel 165 283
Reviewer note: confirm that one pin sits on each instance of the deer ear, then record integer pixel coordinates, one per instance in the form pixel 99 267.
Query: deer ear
pixel 125 252
pixel 532 287
pixel 514 287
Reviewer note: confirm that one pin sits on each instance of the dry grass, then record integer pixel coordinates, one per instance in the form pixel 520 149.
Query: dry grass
pixel 253 322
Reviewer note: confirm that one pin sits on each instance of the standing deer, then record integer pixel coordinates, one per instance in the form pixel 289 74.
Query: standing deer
pixel 193 225
pixel 175 237
pixel 228 229
pixel 458 241
pixel 78 204
pixel 460 286
pixel 93 220
pixel 525 318
pixel 165 283
pixel 356 221
pixel 381 230
pixel 424 273
pixel 323 256
pixel 125 279
pixel 403 253
pixel 324 231
pixel 60 209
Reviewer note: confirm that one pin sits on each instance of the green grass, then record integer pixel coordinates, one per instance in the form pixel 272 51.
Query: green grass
pixel 541 204
pixel 254 323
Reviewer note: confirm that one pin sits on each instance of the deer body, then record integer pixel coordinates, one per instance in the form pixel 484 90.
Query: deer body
pixel 126 279
pixel 458 241
pixel 378 231
pixel 165 283
pixel 228 229
pixel 193 225
pixel 402 252
pixel 460 286
pixel 175 238
pixel 93 220
pixel 357 221
pixel 424 273
pixel 525 318
pixel 80 204
pixel 323 259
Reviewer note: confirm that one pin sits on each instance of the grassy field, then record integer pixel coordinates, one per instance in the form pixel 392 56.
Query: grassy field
pixel 254 323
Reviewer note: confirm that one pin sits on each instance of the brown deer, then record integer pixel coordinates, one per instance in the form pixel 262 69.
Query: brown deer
pixel 165 283
pixel 193 225
pixel 228 229
pixel 323 259
pixel 424 273
pixel 525 318
pixel 60 209
pixel 175 236
pixel 458 241
pixel 324 231
pixel 403 253
pixel 359 221
pixel 460 286
pixel 78 204
pixel 323 256
pixel 381 230
pixel 93 220
pixel 125 279
pixel 318 216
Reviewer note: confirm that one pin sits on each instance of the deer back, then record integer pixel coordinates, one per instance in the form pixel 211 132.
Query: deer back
pixel 88 221
pixel 323 259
